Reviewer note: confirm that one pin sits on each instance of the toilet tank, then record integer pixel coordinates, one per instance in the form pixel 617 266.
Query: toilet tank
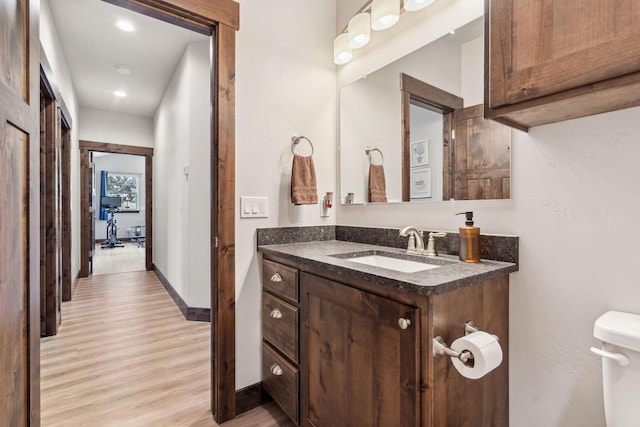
pixel 620 336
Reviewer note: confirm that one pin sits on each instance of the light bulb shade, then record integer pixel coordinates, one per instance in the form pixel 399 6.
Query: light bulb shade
pixel 384 14
pixel 341 50
pixel 359 30
pixel 413 5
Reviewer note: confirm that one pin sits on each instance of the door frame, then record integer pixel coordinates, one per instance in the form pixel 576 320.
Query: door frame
pixel 220 19
pixel 86 238
pixel 415 91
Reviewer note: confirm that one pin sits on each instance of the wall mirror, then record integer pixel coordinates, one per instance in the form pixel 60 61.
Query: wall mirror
pixel 433 143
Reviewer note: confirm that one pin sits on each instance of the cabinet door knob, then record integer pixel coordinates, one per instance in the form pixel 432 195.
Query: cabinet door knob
pixel 276 369
pixel 276 277
pixel 276 314
pixel 404 323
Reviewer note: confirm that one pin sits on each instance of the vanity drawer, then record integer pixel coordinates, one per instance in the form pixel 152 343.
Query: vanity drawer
pixel 280 325
pixel 280 379
pixel 280 279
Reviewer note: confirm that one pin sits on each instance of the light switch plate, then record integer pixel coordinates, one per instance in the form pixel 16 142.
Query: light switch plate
pixel 254 207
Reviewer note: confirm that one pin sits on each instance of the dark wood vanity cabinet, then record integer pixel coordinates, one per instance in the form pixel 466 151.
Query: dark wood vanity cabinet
pixel 280 350
pixel 344 353
pixel 548 61
pixel 360 357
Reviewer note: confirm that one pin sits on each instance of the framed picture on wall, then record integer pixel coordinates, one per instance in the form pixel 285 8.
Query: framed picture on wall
pixel 420 183
pixel 419 153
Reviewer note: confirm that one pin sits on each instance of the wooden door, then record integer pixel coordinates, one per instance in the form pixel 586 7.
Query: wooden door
pixel 540 48
pixel 481 156
pixel 358 366
pixel 19 214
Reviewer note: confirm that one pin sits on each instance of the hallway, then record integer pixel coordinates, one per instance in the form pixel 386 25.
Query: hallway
pixel 125 356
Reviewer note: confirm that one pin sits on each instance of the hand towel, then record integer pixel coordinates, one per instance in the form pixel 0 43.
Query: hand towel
pixel 377 184
pixel 303 181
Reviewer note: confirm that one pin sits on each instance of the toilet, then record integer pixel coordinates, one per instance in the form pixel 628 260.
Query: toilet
pixel 620 352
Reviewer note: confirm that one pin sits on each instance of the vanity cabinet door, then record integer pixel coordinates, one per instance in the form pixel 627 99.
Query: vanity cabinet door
pixel 359 357
pixel 556 60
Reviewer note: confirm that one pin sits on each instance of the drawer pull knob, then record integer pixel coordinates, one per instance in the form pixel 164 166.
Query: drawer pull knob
pixel 404 323
pixel 276 314
pixel 276 369
pixel 276 277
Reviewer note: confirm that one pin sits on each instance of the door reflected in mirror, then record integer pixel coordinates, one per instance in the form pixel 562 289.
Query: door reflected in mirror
pixel 410 110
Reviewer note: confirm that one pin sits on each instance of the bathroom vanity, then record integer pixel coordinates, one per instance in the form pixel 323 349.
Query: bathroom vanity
pixel 350 344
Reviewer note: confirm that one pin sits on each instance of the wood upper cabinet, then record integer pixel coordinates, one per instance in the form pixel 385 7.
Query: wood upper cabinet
pixel 553 60
pixel 359 363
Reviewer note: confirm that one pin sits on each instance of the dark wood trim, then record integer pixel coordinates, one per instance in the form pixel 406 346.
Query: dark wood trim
pixel 50 210
pixel 197 314
pixel 251 397
pixel 85 213
pixel 148 213
pixel 105 147
pixel 414 91
pixel 85 177
pixel 67 233
pixel 195 15
pixel 441 101
pixel 223 331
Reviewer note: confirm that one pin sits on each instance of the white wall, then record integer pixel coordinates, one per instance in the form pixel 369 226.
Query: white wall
pixel 115 128
pixel 574 205
pixel 123 163
pixel 53 51
pixel 181 217
pixel 285 85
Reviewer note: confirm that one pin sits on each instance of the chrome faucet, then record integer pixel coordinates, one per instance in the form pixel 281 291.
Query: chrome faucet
pixel 416 242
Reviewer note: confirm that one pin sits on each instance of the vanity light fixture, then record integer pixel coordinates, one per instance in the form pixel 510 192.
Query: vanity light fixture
pixel 359 30
pixel 413 5
pixel 120 93
pixel 384 14
pixel 125 25
pixel 341 50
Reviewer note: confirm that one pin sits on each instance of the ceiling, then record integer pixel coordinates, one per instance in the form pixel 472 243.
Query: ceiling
pixel 93 45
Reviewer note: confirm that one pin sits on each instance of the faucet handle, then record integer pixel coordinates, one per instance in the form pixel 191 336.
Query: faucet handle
pixel 431 244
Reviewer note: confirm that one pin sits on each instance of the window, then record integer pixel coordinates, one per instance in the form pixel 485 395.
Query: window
pixel 127 186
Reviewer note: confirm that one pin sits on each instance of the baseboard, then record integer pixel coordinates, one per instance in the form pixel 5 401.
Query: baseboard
pixel 251 397
pixel 196 314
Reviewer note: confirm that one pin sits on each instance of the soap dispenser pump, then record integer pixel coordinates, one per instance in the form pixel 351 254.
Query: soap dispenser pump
pixel 469 239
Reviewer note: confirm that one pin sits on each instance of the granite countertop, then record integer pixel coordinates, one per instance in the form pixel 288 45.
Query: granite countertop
pixel 450 275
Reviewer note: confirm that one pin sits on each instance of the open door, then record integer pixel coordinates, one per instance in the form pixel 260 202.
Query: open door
pixel 19 214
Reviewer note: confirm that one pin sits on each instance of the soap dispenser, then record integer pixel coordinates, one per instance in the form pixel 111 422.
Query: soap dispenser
pixel 469 239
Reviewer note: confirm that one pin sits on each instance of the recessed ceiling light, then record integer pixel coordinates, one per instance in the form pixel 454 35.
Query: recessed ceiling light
pixel 120 93
pixel 125 26
pixel 123 69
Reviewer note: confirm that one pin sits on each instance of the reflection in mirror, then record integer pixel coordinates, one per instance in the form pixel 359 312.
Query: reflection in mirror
pixel 387 110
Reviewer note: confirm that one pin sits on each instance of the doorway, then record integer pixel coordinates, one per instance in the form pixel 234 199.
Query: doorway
pixel 90 205
pixel 218 19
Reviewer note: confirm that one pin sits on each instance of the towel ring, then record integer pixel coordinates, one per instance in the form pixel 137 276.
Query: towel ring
pixel 295 140
pixel 370 151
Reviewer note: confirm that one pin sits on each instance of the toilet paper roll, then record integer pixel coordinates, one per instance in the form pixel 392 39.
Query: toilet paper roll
pixel 486 350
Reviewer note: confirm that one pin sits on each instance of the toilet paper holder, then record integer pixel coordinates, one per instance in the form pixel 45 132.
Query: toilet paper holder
pixel 440 348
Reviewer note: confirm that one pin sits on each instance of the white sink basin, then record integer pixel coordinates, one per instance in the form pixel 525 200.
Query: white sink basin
pixel 396 264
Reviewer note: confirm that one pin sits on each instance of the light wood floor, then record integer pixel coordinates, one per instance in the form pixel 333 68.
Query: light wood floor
pixel 118 260
pixel 125 356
